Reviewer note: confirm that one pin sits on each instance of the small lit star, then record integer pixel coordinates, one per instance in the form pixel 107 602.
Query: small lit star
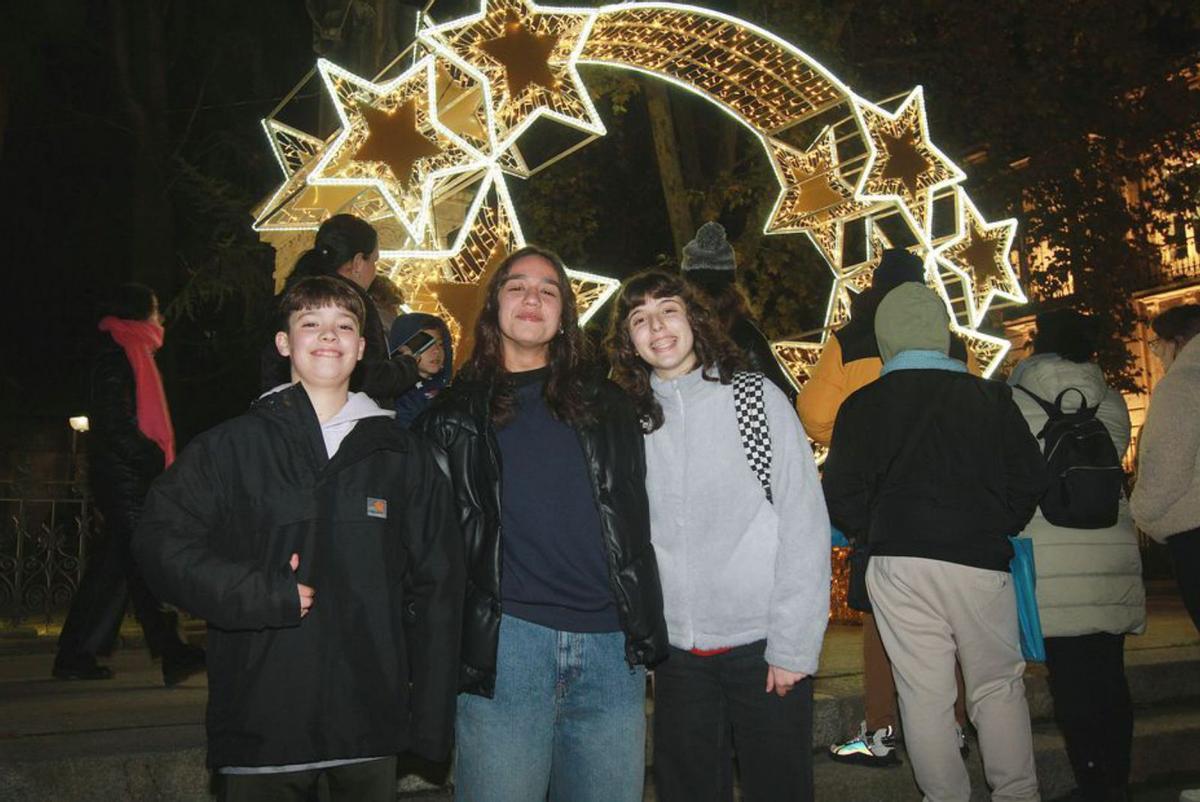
pixel 904 165
pixel 525 56
pixel 980 255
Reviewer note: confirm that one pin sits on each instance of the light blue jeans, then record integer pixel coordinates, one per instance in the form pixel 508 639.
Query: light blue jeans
pixel 567 723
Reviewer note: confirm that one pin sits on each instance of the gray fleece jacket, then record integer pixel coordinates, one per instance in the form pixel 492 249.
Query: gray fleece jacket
pixel 736 569
pixel 1166 498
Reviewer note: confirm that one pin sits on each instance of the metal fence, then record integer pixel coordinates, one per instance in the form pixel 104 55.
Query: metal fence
pixel 43 549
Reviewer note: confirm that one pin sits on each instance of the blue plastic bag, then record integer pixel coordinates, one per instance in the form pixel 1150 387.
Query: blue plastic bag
pixel 1025 584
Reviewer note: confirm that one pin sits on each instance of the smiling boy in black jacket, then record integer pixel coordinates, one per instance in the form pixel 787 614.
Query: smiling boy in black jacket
pixel 318 540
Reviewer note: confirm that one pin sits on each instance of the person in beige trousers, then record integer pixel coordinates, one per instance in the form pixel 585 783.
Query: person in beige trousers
pixel 933 468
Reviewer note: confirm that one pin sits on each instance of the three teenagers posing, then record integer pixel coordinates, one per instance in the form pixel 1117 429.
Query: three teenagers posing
pixel 326 548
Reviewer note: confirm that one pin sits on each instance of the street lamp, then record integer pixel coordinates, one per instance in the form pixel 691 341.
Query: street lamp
pixel 78 424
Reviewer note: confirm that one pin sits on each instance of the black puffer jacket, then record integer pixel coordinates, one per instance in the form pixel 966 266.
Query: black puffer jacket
pixel 934 464
pixel 459 422
pixel 122 461
pixel 371 670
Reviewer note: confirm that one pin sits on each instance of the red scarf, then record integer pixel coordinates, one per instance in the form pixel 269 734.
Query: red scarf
pixel 140 339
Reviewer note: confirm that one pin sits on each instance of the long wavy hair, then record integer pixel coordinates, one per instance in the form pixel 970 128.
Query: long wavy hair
pixel 715 352
pixel 567 359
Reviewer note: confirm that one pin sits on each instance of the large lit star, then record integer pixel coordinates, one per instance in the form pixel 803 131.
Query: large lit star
pixel 980 255
pixel 813 197
pixel 391 139
pixel 903 165
pixel 525 58
pixel 394 140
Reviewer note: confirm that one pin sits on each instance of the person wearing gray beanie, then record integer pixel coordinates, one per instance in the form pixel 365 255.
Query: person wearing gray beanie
pixel 710 265
pixel 933 469
pixel 709 250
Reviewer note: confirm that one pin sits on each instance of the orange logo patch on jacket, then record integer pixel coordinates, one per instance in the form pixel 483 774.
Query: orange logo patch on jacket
pixel 376 507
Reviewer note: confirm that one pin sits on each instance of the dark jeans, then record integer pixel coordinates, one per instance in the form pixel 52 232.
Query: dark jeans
pixel 1093 708
pixel 1185 557
pixel 372 781
pixel 109 583
pixel 699 701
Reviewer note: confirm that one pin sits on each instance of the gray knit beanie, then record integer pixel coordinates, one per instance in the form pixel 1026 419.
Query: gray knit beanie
pixel 709 250
pixel 911 317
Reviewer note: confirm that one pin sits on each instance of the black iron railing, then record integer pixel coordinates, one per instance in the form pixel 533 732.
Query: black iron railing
pixel 43 549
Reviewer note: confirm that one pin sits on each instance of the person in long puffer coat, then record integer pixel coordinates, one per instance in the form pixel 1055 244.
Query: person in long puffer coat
pixel 1089 581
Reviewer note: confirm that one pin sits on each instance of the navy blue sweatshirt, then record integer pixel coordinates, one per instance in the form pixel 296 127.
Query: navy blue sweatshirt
pixel 554 571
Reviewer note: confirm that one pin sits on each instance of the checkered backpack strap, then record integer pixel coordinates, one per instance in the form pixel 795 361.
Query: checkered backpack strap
pixel 752 425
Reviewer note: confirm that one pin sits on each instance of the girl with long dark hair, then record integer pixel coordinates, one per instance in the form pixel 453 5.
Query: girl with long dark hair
pixel 564 608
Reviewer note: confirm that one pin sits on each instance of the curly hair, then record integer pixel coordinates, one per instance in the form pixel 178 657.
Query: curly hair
pixel 713 348
pixel 567 359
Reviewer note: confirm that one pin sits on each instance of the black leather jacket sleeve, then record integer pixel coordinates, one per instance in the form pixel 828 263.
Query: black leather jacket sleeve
pixel 388 378
pixel 433 616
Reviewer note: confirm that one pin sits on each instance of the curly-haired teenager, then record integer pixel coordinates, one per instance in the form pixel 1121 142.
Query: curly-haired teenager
pixel 745 577
pixel 564 606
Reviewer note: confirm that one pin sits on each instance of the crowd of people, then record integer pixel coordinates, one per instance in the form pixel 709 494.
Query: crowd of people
pixel 392 556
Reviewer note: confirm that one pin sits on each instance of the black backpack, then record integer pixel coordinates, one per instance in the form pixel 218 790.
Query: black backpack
pixel 1086 478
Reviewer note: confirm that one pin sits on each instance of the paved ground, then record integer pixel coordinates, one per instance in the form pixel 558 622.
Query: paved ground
pixel 44 720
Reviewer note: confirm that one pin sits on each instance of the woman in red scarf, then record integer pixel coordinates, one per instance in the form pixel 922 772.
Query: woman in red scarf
pixel 131 442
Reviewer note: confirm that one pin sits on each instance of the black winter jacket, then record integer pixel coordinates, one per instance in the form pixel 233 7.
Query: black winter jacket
pixel 935 464
pixel 371 670
pixel 122 461
pixel 460 422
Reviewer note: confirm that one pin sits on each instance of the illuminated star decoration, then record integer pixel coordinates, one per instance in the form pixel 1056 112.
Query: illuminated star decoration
pixel 391 139
pixel 980 254
pixel 464 302
pixel 524 55
pixel 294 205
pixel 903 164
pixel 813 197
pixel 525 58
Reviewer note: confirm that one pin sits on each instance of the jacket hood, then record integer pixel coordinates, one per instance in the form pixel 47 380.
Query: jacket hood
pixel 406 326
pixel 911 318
pixel 1047 375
